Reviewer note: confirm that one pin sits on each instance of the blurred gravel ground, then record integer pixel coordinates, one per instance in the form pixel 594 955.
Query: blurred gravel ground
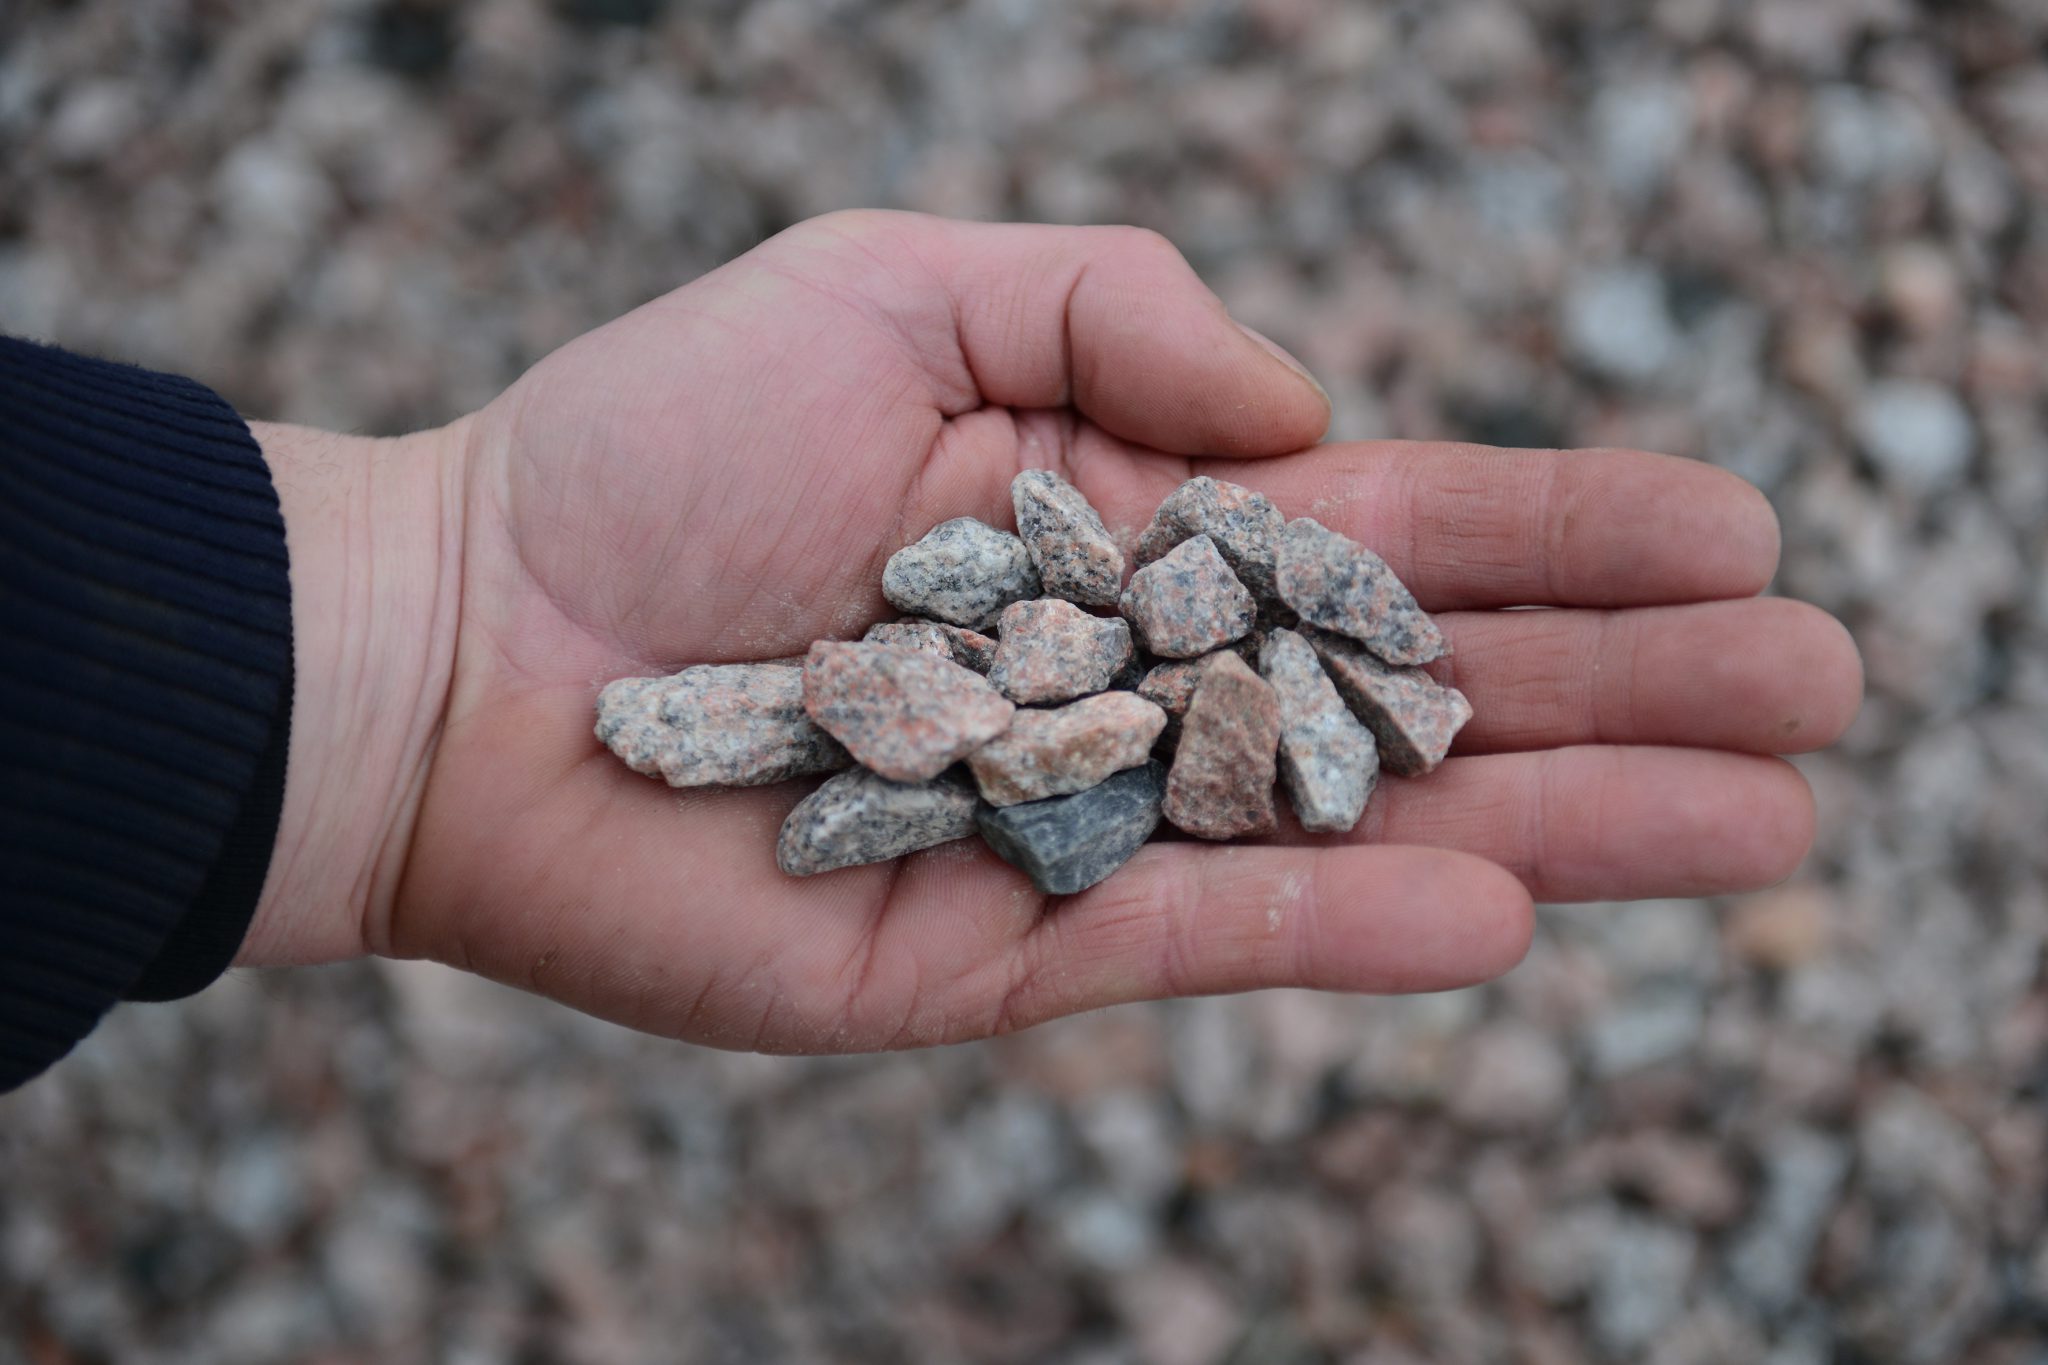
pixel 1807 240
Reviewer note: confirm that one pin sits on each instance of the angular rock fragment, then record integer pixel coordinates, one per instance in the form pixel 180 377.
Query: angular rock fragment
pixel 1221 783
pixel 1412 716
pixel 1075 556
pixel 1187 602
pixel 1050 650
pixel 1171 686
pixel 1328 762
pixel 1338 584
pixel 963 572
pixel 1067 748
pixel 967 648
pixel 1069 843
pixel 1245 526
pixel 860 817
pixel 904 714
pixel 725 725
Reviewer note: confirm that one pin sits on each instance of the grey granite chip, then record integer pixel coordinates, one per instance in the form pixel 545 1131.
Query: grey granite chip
pixel 1051 650
pixel 963 572
pixel 967 648
pixel 1413 717
pixel 1187 602
pixel 1069 843
pixel 1245 526
pixel 1076 557
pixel 1328 762
pixel 717 725
pixel 903 713
pixel 861 817
pixel 1338 584
pixel 1065 748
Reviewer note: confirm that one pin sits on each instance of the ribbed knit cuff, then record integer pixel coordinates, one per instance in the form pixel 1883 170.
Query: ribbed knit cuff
pixel 145 691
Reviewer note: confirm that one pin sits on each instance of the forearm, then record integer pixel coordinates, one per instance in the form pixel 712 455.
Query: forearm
pixel 375 531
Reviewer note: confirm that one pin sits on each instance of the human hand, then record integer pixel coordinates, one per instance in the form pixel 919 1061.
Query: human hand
pixel 719 477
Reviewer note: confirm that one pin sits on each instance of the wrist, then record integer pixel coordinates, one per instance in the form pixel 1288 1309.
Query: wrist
pixel 374 528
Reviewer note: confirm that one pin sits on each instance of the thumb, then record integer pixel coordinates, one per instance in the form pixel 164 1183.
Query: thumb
pixel 1113 321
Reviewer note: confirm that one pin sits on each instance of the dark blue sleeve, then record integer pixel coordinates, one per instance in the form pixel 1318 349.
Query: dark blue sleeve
pixel 145 691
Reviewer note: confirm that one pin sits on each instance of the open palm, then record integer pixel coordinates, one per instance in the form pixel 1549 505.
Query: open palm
pixel 719 477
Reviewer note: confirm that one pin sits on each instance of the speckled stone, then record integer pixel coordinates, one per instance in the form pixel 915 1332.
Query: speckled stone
pixel 1338 584
pixel 1075 556
pixel 717 725
pixel 1067 748
pixel 963 572
pixel 967 648
pixel 860 817
pixel 1051 650
pixel 1412 716
pixel 1069 843
pixel 905 714
pixel 1188 602
pixel 1328 762
pixel 1245 526
pixel 1221 783
pixel 1171 686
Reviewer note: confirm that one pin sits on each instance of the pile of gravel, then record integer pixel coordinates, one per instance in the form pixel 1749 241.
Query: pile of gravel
pixel 1065 736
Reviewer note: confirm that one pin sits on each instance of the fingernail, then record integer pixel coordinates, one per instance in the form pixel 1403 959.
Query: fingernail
pixel 1280 353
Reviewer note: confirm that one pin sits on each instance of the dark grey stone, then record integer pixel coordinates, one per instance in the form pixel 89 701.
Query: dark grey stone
pixel 1069 843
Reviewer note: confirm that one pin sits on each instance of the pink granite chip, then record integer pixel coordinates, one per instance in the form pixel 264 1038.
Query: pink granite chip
pixel 1412 716
pixel 904 714
pixel 1221 783
pixel 968 648
pixel 1245 526
pixel 717 725
pixel 1050 650
pixel 1188 602
pixel 1171 685
pixel 1338 584
pixel 1066 748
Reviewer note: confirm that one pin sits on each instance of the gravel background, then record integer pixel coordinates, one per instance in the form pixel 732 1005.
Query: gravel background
pixel 1801 239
